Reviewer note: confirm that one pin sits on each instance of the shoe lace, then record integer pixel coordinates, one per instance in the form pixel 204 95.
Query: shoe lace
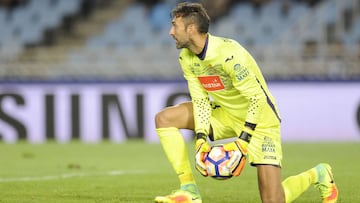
pixel 325 190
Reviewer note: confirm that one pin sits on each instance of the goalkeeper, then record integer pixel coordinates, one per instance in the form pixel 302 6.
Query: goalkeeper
pixel 229 98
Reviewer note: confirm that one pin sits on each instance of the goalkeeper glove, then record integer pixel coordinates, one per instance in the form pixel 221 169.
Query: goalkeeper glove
pixel 239 148
pixel 202 148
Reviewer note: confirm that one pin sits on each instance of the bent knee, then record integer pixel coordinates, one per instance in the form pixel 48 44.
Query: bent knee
pixel 161 120
pixel 179 116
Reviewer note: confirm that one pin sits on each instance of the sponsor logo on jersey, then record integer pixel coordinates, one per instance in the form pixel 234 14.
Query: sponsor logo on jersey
pixel 211 82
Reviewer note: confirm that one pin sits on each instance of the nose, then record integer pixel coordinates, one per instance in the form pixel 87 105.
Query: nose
pixel 171 31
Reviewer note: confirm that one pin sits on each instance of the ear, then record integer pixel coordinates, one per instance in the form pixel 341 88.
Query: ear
pixel 191 28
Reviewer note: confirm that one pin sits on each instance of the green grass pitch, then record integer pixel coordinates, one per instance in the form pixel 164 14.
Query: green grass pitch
pixel 137 172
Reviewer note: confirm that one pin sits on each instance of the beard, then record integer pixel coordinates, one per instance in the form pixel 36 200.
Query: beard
pixel 182 43
pixel 179 46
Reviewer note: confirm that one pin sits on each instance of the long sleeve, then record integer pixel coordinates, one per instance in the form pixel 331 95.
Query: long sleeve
pixel 199 98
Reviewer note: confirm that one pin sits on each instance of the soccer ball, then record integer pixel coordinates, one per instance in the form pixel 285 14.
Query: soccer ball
pixel 216 161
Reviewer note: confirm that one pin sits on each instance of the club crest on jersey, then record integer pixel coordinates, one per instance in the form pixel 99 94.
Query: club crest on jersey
pixel 211 82
pixel 240 72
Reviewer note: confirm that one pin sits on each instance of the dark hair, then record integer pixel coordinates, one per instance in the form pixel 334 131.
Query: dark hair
pixel 193 13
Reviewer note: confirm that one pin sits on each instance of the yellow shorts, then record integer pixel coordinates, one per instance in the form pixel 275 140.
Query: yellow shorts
pixel 265 144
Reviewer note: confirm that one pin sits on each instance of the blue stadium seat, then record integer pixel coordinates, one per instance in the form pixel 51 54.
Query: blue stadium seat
pixel 160 15
pixel 26 24
pixel 67 7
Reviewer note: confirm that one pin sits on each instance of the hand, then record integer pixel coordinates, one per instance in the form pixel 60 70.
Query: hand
pixel 202 148
pixel 238 158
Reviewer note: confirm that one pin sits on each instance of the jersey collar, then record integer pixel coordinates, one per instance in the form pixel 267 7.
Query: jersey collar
pixel 202 54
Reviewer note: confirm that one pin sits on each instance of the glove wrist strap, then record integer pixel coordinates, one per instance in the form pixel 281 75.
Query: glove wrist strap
pixel 201 136
pixel 252 126
pixel 245 136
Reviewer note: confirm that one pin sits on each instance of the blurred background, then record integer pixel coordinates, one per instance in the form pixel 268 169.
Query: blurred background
pixel 93 69
pixel 112 39
pixel 98 71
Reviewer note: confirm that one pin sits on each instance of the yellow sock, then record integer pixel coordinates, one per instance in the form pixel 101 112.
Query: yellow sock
pixel 175 149
pixel 294 186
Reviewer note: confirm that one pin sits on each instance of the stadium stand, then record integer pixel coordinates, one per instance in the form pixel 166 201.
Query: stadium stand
pixel 27 23
pixel 291 39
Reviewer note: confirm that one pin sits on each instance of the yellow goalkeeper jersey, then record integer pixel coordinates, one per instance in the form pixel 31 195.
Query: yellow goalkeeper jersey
pixel 228 75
